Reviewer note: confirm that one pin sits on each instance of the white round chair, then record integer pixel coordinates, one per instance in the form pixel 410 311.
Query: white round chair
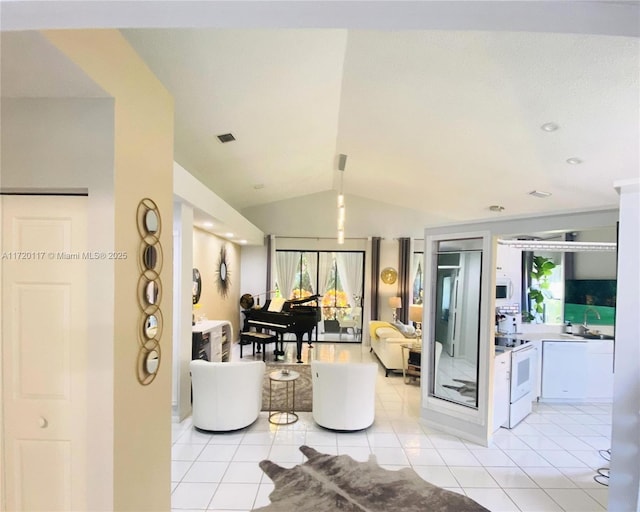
pixel 226 396
pixel 344 394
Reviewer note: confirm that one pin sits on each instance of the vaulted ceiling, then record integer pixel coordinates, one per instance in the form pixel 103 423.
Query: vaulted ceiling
pixel 442 122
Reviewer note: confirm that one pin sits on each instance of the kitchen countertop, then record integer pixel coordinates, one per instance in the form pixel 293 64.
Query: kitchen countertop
pixel 548 336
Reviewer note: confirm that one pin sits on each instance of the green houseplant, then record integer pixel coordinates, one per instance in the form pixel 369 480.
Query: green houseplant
pixel 541 270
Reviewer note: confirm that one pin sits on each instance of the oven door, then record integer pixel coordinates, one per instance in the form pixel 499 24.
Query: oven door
pixel 522 371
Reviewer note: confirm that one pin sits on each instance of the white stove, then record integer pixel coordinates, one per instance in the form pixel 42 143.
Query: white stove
pixel 523 364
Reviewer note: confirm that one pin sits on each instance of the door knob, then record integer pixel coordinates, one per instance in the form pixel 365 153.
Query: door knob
pixel 43 423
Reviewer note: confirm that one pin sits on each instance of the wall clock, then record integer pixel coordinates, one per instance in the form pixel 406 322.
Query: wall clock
pixel 223 275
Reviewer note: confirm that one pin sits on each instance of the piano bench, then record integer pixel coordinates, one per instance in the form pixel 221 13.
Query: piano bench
pixel 261 338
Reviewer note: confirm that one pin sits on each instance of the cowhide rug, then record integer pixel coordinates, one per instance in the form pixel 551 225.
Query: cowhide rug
pixel 326 483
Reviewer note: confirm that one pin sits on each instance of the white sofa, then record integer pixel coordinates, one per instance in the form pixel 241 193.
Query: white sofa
pixel 344 394
pixel 386 344
pixel 226 396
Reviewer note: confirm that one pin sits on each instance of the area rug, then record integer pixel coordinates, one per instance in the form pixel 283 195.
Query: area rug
pixel 326 483
pixel 303 388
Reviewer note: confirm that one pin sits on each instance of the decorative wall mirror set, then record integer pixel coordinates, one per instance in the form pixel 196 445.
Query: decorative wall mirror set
pixel 149 291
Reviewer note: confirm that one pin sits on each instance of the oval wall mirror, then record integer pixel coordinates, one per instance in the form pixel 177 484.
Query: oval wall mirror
pixel 152 361
pixel 197 285
pixel 151 221
pixel 151 292
pixel 151 326
pixel 150 257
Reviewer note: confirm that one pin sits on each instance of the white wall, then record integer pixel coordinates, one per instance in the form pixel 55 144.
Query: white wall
pixel 316 215
pixel 624 482
pixel 182 308
pixel 595 265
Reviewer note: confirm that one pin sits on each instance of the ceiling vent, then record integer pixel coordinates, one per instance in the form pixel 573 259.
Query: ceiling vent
pixel 226 137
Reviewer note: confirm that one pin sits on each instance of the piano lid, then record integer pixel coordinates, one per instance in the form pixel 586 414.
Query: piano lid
pixel 304 300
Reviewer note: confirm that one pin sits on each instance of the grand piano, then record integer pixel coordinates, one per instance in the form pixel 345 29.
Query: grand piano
pixel 296 316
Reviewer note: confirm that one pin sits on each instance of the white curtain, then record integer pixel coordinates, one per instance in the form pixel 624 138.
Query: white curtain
pixel 417 262
pixel 286 269
pixel 312 269
pixel 350 272
pixel 325 266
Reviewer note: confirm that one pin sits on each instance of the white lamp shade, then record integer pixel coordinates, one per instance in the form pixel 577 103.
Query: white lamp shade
pixel 415 313
pixel 395 302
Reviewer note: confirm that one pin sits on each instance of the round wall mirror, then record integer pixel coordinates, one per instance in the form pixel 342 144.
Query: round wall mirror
pixel 151 221
pixel 150 257
pixel 151 292
pixel 152 361
pixel 197 286
pixel 151 326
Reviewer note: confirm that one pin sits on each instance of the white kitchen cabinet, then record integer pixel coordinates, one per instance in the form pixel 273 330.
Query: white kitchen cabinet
pixel 564 370
pixel 577 371
pixel 599 371
pixel 501 384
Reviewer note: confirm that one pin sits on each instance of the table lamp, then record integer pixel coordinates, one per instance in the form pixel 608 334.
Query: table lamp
pixel 395 303
pixel 415 315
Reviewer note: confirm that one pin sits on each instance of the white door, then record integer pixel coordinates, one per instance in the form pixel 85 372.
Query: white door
pixel 44 294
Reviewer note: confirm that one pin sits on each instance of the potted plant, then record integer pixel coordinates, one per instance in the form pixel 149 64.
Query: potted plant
pixel 541 270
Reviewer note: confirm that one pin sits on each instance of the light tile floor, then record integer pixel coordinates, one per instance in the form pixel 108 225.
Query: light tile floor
pixel 547 463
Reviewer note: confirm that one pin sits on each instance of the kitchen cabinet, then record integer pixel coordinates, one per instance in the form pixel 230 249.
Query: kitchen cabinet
pixel 599 370
pixel 577 371
pixel 501 384
pixel 564 370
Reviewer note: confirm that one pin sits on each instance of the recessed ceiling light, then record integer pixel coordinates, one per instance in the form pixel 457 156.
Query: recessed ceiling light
pixel 226 137
pixel 207 224
pixel 574 160
pixel 496 208
pixel 242 241
pixel 549 127
pixel 539 193
pixel 229 235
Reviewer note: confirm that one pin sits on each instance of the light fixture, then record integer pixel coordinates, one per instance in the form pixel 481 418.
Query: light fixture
pixel 549 127
pixel 395 303
pixel 342 163
pixel 539 193
pixel 550 245
pixel 207 224
pixel 574 160
pixel 415 315
pixel 229 235
pixel 496 208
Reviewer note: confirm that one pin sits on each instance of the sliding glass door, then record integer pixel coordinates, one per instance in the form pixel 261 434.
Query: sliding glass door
pixel 338 277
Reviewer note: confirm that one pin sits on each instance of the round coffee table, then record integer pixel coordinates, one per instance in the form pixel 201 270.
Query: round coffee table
pixel 286 415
